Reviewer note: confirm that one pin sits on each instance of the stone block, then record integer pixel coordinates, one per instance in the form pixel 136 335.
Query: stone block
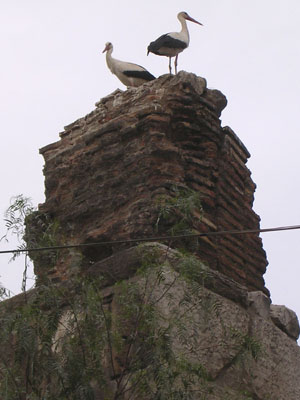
pixel 259 304
pixel 286 320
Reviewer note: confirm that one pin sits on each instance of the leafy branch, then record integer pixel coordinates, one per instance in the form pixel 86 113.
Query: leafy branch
pixel 179 209
pixel 14 217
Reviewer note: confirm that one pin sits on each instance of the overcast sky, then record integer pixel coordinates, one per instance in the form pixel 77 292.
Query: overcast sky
pixel 52 72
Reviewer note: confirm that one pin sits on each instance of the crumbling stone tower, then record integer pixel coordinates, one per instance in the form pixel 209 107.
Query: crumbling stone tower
pixel 110 179
pixel 104 176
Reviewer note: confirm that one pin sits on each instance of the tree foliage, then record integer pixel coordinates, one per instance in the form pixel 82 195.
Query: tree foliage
pixel 78 341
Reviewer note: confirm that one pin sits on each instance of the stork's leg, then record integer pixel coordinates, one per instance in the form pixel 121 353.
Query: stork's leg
pixel 170 67
pixel 175 63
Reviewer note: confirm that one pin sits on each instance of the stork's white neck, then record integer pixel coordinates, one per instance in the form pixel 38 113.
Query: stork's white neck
pixel 110 60
pixel 184 30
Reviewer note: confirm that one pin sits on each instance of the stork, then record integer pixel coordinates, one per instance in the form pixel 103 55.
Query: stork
pixel 173 43
pixel 129 74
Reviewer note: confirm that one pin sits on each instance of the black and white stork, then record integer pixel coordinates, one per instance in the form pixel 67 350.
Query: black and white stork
pixel 129 74
pixel 173 43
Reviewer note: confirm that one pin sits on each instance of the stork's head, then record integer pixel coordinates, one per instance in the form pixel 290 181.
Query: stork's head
pixel 108 46
pixel 185 15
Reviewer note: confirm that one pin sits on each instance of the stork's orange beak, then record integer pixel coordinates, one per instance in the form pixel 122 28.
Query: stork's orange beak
pixel 105 49
pixel 193 20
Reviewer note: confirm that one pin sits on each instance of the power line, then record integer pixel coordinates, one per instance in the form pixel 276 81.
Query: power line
pixel 154 239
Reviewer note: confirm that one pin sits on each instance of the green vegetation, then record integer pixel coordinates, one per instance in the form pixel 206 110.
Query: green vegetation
pixel 135 341
pixel 32 229
pixel 42 231
pixel 177 211
pixel 14 218
pixel 178 214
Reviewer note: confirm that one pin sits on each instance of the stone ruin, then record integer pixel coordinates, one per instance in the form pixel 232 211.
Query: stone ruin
pixel 104 182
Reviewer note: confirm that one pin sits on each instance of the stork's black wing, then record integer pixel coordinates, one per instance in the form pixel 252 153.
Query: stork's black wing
pixel 139 74
pixel 165 41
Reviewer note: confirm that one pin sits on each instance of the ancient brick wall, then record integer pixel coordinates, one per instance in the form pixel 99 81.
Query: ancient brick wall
pixel 105 174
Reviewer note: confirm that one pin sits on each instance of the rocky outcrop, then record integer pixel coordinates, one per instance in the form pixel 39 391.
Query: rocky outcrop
pixel 105 177
pixel 214 324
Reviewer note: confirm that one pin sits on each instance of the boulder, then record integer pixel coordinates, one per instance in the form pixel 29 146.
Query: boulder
pixel 286 320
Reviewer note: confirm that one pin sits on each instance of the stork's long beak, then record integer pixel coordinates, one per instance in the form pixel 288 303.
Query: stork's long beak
pixel 193 20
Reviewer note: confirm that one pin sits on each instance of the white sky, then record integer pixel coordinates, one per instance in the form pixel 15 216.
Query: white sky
pixel 52 71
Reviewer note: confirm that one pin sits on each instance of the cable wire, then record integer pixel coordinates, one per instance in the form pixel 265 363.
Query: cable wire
pixel 153 239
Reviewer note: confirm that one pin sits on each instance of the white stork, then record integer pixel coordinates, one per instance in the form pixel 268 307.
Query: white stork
pixel 129 74
pixel 173 43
